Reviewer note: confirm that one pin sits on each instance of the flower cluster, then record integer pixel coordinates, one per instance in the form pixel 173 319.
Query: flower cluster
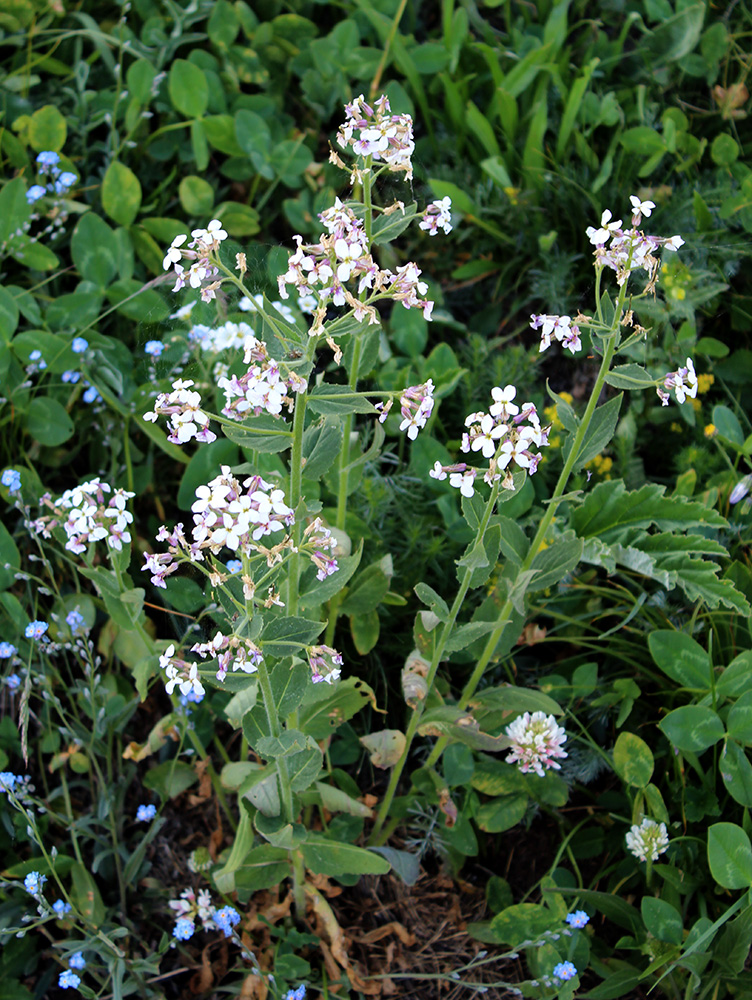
pixel 262 389
pixel 376 132
pixel 230 650
pixel 318 540
pixel 18 786
pixel 183 407
pixel 342 255
pixel 146 813
pixel 59 182
pixel 201 273
pixel 35 630
pixel 438 215
pixel 536 742
pixel 561 328
pixel 11 479
pixel 648 840
pixel 225 513
pixel 627 250
pixel 416 406
pixel 683 382
pixel 180 674
pixel 564 971
pixel 577 919
pixel 89 516
pixel 505 435
pixel 191 907
pixel 325 664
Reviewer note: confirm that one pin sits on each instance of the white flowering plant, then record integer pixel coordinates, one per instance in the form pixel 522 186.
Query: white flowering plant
pixel 276 414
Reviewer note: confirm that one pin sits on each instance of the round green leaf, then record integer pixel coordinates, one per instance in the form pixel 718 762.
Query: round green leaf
pixel 188 88
pixel 47 421
pixel 680 658
pixel 91 248
pixel 730 856
pixel 633 760
pixel 121 193
pixel 662 920
pixel 736 772
pixel 47 130
pixel 502 813
pixel 739 722
pixel 724 150
pixel 196 195
pixel 692 728
pixel 239 220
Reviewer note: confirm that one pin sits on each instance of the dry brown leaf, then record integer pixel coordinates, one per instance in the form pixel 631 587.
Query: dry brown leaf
pixel 202 980
pixel 447 807
pixel 204 792
pixel 531 635
pixel 337 942
pixel 323 884
pixel 393 927
pixel 254 988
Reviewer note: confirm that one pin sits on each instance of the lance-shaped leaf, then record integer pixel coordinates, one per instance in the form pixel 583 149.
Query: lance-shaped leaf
pixel 459 727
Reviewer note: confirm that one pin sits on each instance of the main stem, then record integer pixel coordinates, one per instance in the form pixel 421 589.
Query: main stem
pixel 438 653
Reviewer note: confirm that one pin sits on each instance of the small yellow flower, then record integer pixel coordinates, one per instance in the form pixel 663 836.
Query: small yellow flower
pixel 678 293
pixel 710 431
pixel 704 382
pixel 567 397
pixel 696 405
pixel 676 428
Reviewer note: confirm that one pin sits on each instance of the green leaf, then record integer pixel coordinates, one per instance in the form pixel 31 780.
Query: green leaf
pixel 263 868
pixel 662 920
pixel 14 208
pixel 463 635
pixel 736 679
pixel 724 150
pixel 633 760
pixel 9 315
pixel 286 636
pixel 516 700
pixel 458 726
pixel 265 433
pixel 523 922
pixel 609 507
pixel 121 193
pixel 553 563
pixel 736 771
pixel 739 722
pixel 196 195
pixel 681 658
pixel 730 856
pixel 329 857
pixel 461 201
pixel 599 433
pixel 325 707
pixel 47 129
pixel 388 227
pixel 322 591
pixel 322 443
pixel 188 88
pixel 404 864
pixel 170 779
pixel 613 908
pixel 92 245
pixel 728 426
pixel 10 557
pixel 367 591
pixel 365 630
pixel 692 728
pixel 86 896
pixel 330 399
pixel 36 256
pixel 502 813
pixel 428 596
pixel 335 800
pixel 48 422
pixel 630 377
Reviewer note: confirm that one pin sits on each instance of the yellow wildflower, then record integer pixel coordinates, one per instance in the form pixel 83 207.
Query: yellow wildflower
pixel 704 382
pixel 710 431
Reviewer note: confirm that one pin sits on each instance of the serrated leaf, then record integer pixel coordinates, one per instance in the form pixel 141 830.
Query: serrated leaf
pixel 610 507
pixel 434 601
pixel 552 564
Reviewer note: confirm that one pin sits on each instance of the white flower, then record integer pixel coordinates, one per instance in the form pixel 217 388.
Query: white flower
pixel 174 255
pixel 503 405
pixel 641 207
pixel 463 481
pixel 536 741
pixel 600 236
pixel 674 243
pixel 437 472
pixel 648 840
pixel 490 432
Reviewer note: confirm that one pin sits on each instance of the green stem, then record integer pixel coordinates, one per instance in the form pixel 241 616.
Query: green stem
pixel 293 500
pixel 543 528
pixel 438 653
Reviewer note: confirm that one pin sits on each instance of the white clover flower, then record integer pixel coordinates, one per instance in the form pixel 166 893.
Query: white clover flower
pixel 537 742
pixel 648 840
